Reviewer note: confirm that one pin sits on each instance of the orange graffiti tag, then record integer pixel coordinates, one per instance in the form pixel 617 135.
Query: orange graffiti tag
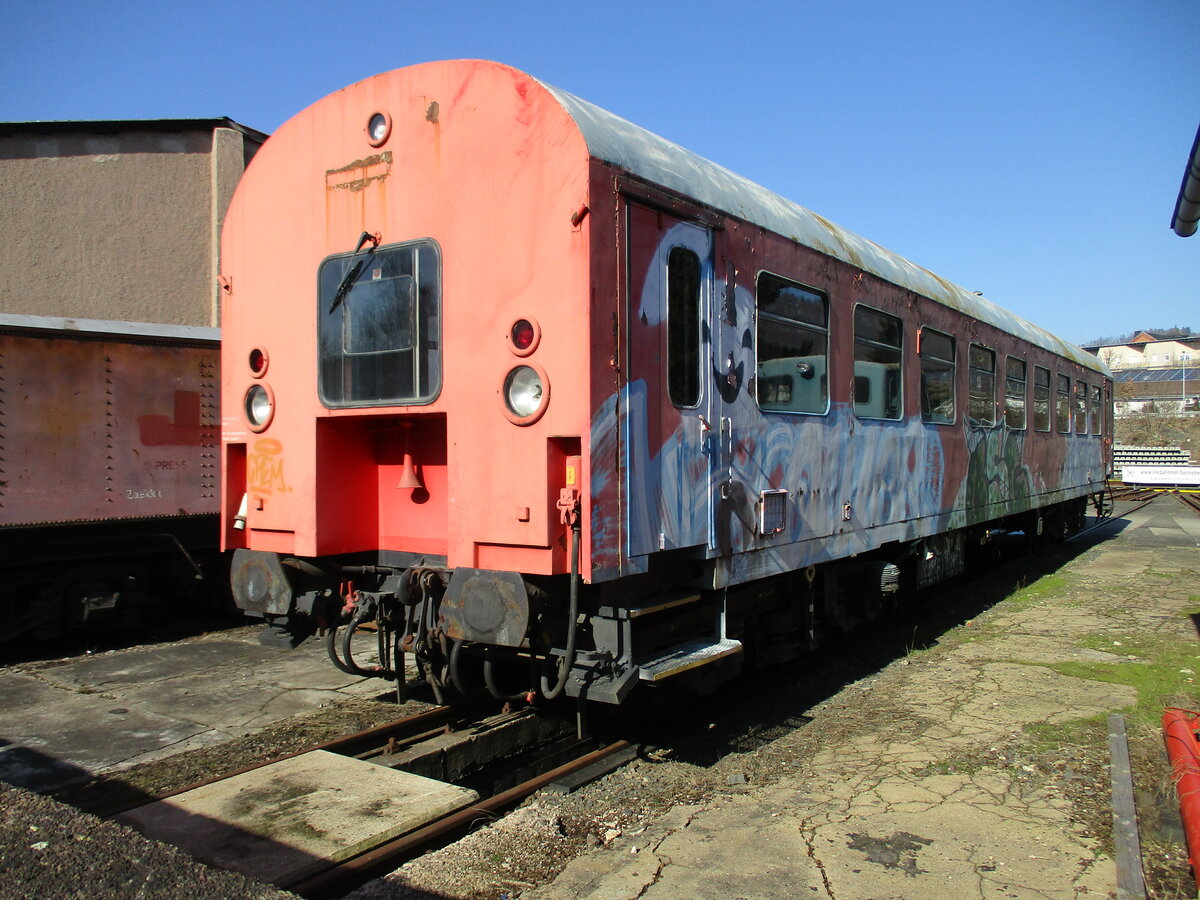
pixel 264 470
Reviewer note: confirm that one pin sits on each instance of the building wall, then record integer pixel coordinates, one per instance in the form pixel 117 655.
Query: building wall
pixel 119 225
pixel 1150 353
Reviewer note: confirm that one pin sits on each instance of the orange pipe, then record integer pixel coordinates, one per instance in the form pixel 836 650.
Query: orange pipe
pixel 1180 727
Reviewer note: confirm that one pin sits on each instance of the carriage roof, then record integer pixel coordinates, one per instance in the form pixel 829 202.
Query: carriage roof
pixel 659 161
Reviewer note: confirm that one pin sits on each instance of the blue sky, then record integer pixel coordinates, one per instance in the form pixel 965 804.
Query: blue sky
pixel 1028 149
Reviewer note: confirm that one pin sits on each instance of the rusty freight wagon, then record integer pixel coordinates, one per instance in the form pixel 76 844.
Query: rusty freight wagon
pixel 562 407
pixel 108 494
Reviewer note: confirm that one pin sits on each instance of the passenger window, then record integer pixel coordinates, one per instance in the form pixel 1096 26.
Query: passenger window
pixel 937 376
pixel 1097 415
pixel 981 388
pixel 379 337
pixel 1063 411
pixel 1041 398
pixel 683 327
pixel 878 358
pixel 1014 393
pixel 1080 408
pixel 793 346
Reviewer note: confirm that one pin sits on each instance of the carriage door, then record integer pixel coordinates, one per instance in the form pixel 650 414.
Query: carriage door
pixel 668 281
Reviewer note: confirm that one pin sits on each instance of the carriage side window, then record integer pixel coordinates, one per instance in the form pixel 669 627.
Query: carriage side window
pixel 878 358
pixel 981 386
pixel 1096 411
pixel 937 376
pixel 1063 407
pixel 683 327
pixel 793 347
pixel 1080 407
pixel 1041 398
pixel 1014 393
pixel 379 329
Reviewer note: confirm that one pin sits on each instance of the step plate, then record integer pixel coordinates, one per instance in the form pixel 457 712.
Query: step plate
pixel 687 656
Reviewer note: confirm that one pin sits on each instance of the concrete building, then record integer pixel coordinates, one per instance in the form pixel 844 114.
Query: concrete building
pixel 117 220
pixel 1154 370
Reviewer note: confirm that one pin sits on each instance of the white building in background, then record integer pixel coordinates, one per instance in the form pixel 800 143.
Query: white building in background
pixel 1154 371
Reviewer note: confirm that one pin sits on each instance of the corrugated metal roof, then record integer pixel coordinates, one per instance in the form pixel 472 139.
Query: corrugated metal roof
pixel 659 161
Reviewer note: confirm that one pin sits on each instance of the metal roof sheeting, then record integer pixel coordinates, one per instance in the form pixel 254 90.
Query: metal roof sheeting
pixel 659 161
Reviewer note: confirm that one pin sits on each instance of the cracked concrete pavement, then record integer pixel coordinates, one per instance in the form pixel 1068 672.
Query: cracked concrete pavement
pixel 62 722
pixel 882 815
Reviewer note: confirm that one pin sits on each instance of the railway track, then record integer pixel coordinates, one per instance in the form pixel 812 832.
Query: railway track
pixel 1143 495
pixel 1188 499
pixel 504 758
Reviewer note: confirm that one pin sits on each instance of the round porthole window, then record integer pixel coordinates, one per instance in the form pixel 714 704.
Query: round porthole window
pixel 379 127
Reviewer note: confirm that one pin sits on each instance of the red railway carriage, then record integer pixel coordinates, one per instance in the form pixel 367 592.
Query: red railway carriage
pixel 519 380
pixel 108 466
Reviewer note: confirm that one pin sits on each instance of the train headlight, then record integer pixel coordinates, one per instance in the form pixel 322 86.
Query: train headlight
pixel 260 406
pixel 525 394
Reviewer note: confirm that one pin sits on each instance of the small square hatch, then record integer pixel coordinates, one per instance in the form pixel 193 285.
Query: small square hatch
pixel 772 512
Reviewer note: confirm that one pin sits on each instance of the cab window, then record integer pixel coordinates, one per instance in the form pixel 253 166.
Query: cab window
pixel 378 324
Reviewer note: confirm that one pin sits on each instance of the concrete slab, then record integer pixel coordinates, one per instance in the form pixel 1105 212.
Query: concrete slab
pixel 1118 564
pixel 20 693
pixel 1189 523
pixel 149 664
pixel 27 768
pixel 64 721
pixel 285 821
pixel 1167 533
pixel 228 705
pixel 74 735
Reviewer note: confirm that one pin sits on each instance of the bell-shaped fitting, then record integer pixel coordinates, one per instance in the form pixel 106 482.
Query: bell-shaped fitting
pixel 408 475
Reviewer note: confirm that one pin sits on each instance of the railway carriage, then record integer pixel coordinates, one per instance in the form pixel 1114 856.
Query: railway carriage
pixel 560 406
pixel 108 472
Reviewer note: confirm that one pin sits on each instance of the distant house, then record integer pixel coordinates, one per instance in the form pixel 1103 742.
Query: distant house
pixel 1154 370
pixel 117 220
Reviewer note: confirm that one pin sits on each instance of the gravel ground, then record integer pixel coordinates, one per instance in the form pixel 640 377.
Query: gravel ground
pixel 49 850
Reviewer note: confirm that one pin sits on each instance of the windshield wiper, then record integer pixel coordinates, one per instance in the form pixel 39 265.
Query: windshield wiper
pixel 352 272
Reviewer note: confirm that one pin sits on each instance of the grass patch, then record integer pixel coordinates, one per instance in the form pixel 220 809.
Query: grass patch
pixel 1052 583
pixel 1046 737
pixel 1164 671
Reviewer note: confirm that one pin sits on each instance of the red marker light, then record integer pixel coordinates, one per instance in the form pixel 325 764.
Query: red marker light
pixel 522 334
pixel 258 362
